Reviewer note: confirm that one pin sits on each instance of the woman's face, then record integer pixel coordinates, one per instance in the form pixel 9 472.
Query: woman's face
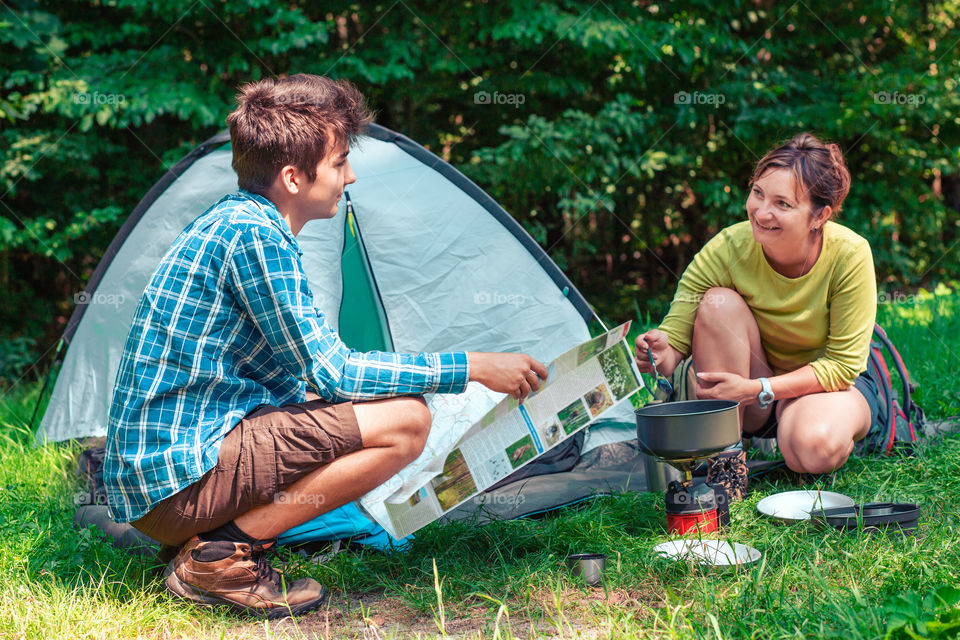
pixel 780 214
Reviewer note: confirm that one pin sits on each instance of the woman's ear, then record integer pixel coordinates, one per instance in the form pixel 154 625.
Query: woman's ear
pixel 822 217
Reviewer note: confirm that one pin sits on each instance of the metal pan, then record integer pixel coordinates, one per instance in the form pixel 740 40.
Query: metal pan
pixel 794 506
pixel 896 517
pixel 711 553
pixel 687 429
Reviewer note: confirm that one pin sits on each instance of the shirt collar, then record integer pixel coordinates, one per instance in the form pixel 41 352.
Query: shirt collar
pixel 273 215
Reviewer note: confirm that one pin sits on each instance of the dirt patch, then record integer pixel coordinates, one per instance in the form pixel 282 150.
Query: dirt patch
pixel 546 613
pixel 370 617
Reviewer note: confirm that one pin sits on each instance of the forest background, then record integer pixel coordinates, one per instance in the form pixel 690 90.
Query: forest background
pixel 621 135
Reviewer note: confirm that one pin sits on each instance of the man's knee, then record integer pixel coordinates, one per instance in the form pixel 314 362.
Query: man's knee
pixel 414 420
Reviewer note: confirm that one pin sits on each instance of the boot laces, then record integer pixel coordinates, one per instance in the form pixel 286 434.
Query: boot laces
pixel 265 571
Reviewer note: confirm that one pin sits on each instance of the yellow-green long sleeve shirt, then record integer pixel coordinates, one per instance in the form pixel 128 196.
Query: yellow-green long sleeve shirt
pixel 823 318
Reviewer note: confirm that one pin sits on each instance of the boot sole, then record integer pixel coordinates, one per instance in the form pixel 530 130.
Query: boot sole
pixel 198 596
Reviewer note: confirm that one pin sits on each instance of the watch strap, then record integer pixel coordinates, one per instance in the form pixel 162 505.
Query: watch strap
pixel 766 394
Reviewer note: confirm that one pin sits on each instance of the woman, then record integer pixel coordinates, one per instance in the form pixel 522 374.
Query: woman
pixel 777 312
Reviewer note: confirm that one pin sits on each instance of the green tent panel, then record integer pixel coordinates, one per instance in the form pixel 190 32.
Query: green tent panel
pixel 363 322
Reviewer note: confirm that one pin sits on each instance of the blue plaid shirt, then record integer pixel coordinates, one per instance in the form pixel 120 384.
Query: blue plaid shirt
pixel 226 324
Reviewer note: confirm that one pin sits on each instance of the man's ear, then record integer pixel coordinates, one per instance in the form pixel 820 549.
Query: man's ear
pixel 290 179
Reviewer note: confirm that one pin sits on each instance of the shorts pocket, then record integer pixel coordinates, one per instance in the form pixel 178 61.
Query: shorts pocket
pixel 230 448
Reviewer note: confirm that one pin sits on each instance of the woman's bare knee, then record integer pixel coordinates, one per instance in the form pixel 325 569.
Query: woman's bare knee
pixel 720 302
pixel 722 316
pixel 815 447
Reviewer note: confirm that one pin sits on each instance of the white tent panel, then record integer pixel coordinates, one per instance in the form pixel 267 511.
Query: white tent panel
pixel 451 276
pixel 81 396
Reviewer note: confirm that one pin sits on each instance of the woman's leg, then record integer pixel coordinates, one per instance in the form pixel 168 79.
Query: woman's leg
pixel 817 431
pixel 726 338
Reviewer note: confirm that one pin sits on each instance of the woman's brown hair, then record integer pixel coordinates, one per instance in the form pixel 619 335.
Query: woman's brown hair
pixel 295 120
pixel 818 170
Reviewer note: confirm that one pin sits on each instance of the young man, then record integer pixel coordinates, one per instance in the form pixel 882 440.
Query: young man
pixel 237 412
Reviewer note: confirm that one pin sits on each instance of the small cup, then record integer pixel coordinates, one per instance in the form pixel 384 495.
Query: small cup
pixel 588 566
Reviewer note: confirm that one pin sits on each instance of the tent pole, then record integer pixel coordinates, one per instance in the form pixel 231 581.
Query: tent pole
pixel 602 323
pixel 46 381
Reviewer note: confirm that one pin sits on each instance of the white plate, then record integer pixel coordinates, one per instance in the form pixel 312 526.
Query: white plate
pixel 795 506
pixel 713 553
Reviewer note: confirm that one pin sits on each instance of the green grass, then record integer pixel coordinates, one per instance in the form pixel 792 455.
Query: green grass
pixel 502 578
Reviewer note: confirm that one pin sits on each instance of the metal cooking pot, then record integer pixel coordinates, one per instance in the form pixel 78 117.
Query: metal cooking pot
pixel 688 429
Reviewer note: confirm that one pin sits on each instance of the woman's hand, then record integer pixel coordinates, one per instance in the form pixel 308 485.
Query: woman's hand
pixel 722 385
pixel 666 357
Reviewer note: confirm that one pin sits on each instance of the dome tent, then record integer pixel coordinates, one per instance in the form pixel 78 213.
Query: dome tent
pixel 418 258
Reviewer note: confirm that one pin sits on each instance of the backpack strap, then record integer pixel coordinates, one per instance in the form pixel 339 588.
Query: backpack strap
pixel 898 363
pixel 912 413
pixel 883 386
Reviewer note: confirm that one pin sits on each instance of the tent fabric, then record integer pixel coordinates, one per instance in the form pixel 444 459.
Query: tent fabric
pixel 454 270
pixel 80 401
pixel 369 329
pixel 425 262
pixel 538 494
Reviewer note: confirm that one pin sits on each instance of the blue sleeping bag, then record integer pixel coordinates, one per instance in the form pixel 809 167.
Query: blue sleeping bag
pixel 344 522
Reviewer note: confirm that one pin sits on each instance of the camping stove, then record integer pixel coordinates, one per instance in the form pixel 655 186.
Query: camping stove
pixel 684 434
pixel 690 509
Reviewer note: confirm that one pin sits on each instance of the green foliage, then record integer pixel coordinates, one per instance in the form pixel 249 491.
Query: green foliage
pixel 16 356
pixel 913 615
pixel 621 135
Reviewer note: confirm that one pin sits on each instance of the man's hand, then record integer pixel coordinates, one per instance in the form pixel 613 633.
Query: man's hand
pixel 722 385
pixel 656 342
pixel 515 373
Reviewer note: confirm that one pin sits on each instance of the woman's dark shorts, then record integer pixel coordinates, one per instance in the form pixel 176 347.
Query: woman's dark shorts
pixel 867 388
pixel 268 450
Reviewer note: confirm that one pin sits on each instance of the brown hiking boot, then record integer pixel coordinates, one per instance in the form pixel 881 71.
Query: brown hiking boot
pixel 237 574
pixel 727 471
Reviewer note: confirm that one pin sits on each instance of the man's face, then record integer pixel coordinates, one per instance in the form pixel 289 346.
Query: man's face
pixel 320 198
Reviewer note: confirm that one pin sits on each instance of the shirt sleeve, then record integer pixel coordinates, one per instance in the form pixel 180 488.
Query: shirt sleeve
pixel 270 285
pixel 853 312
pixel 707 269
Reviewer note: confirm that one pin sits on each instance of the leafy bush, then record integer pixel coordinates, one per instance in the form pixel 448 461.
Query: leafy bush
pixel 935 614
pixel 16 356
pixel 621 136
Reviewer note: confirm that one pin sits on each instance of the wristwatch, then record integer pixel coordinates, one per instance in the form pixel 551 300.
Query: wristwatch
pixel 766 394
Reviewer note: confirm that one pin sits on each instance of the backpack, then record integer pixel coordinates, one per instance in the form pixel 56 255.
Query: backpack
pixel 901 419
